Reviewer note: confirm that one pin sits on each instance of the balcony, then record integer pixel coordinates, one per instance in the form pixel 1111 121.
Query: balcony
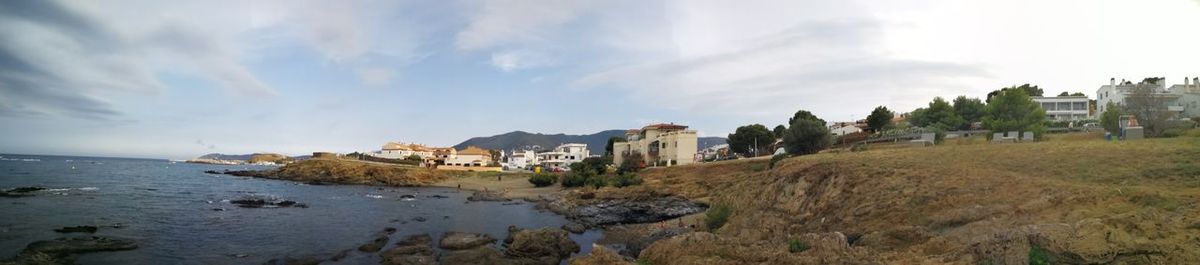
pixel 1175 108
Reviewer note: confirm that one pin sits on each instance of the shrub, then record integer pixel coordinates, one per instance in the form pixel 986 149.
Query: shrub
pixel 625 180
pixel 596 181
pixel 796 245
pixel 757 167
pixel 1038 256
pixel 859 147
pixel 542 179
pixel 574 179
pixel 776 159
pixel 716 217
pixel 632 162
pixel 806 136
pixel 643 261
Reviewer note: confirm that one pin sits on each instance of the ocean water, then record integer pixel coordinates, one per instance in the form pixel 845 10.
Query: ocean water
pixel 170 210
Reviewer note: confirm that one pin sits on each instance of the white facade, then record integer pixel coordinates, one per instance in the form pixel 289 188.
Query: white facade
pixel 393 150
pixel 563 155
pixel 1181 100
pixel 522 159
pixel 714 152
pixel 1065 108
pixel 844 130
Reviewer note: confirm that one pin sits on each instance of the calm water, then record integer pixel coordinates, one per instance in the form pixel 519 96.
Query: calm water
pixel 168 208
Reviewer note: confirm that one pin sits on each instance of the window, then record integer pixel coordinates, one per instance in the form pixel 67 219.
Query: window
pixel 664 145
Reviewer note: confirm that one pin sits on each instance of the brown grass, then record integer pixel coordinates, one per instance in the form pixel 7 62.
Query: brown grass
pixel 943 202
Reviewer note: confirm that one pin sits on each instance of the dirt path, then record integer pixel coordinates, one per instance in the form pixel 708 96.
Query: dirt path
pixel 517 186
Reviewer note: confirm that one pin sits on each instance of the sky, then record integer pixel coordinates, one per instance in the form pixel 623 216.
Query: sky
pixel 178 79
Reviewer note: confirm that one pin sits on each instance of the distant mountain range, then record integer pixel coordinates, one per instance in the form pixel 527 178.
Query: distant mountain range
pixel 216 156
pixel 595 141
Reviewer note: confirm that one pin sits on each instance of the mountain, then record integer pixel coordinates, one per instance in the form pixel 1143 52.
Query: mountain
pixel 596 141
pixel 216 156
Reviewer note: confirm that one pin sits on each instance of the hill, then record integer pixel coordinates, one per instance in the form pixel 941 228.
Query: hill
pixel 595 141
pixel 1073 199
pixel 217 156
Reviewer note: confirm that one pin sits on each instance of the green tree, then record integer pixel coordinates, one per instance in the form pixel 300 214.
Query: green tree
pixel 608 148
pixel 805 115
pixel 414 157
pixel 940 115
pixel 969 109
pixel 1111 119
pixel 779 131
pixel 1030 90
pixel 1013 110
pixel 918 117
pixel 1063 94
pixel 594 164
pixel 746 138
pixel 1078 94
pixel 806 136
pixel 879 118
pixel 631 162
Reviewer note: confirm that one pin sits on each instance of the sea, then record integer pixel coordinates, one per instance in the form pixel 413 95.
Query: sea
pixel 178 214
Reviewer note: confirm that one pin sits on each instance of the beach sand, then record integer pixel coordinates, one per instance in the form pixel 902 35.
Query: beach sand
pixel 517 185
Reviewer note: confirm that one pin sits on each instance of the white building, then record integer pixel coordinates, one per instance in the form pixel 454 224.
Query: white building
pixel 392 150
pixel 658 144
pixel 521 159
pixel 844 130
pixel 714 152
pixel 1065 108
pixel 563 155
pixel 1183 101
pixel 470 157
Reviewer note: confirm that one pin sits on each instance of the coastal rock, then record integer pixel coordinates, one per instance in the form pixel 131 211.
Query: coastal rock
pixel 380 240
pixel 625 211
pixel 540 246
pixel 414 250
pixel 418 219
pixel 294 261
pixel 635 246
pixel 20 192
pixel 265 202
pixel 574 228
pixel 64 250
pixel 460 240
pixel 480 255
pixel 77 229
pixel 488 196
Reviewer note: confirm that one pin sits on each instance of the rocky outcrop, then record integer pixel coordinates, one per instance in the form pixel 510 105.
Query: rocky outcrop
pixel 255 201
pixel 20 192
pixel 599 212
pixel 341 171
pixel 539 246
pixel 77 229
pixel 460 240
pixel 378 242
pixel 65 250
pixel 574 228
pixel 480 255
pixel 488 196
pixel 414 250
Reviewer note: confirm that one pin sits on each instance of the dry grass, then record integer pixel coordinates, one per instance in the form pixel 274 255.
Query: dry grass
pixel 942 201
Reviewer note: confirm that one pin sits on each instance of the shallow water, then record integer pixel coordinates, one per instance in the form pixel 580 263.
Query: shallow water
pixel 169 209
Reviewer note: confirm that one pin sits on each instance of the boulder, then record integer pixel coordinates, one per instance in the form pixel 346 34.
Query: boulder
pixel 488 196
pixel 294 261
pixel 480 255
pixel 574 227
pixel 627 211
pixel 459 240
pixel 77 229
pixel 64 250
pixel 414 250
pixel 542 246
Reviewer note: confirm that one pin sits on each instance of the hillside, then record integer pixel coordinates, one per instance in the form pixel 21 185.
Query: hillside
pixel 595 141
pixel 1069 200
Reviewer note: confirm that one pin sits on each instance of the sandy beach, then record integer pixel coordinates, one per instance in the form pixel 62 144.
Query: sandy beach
pixel 517 185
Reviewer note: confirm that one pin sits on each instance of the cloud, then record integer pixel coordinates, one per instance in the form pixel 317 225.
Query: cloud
pixel 375 76
pixel 509 61
pixel 826 66
pixel 499 23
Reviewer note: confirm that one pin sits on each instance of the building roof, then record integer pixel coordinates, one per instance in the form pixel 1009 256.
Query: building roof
pixel 472 150
pixel 664 126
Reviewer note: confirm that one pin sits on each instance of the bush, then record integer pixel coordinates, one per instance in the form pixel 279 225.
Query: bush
pixel 542 179
pixel 596 181
pixel 416 158
pixel 776 159
pixel 716 217
pixel 806 136
pixel 1038 256
pixel 574 179
pixel 796 245
pixel 859 147
pixel 626 180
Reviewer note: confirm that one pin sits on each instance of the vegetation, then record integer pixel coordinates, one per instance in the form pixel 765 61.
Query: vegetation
pixel 776 159
pixel 797 245
pixel 543 179
pixel 1111 119
pixel 1013 110
pixel 575 179
pixel 804 115
pixel 631 162
pixel 779 131
pixel 879 118
pixel 716 217
pixel 625 180
pixel 806 136
pixel 414 157
pixel 970 110
pixel 749 140
pixel 608 151
pixel 1033 91
pixel 939 114
pixel 1147 107
pixel 1038 255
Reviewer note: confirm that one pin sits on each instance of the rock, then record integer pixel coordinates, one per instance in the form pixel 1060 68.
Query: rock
pixel 294 261
pixel 587 196
pixel 213 172
pixel 416 249
pixel 574 227
pixel 483 255
pixel 340 255
pixel 435 196
pixel 488 196
pixel 64 250
pixel 895 238
pixel 542 246
pixel 380 240
pixel 265 202
pixel 625 211
pixel 418 219
pixel 408 197
pixel 248 173
pixel 25 189
pixel 635 246
pixel 77 229
pixel 460 240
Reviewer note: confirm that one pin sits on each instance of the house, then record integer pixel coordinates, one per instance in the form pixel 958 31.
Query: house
pixel 470 157
pixel 1065 108
pixel 658 144
pixel 563 156
pixel 844 130
pixel 521 159
pixel 393 150
pixel 714 152
pixel 1180 101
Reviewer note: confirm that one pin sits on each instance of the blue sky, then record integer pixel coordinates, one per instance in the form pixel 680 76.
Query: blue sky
pixel 176 79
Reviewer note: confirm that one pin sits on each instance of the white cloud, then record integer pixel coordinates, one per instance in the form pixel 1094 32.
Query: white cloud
pixel 375 76
pixel 499 23
pixel 509 61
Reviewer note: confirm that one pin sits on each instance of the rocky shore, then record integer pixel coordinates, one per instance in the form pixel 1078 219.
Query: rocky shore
pixel 340 171
pixel 66 250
